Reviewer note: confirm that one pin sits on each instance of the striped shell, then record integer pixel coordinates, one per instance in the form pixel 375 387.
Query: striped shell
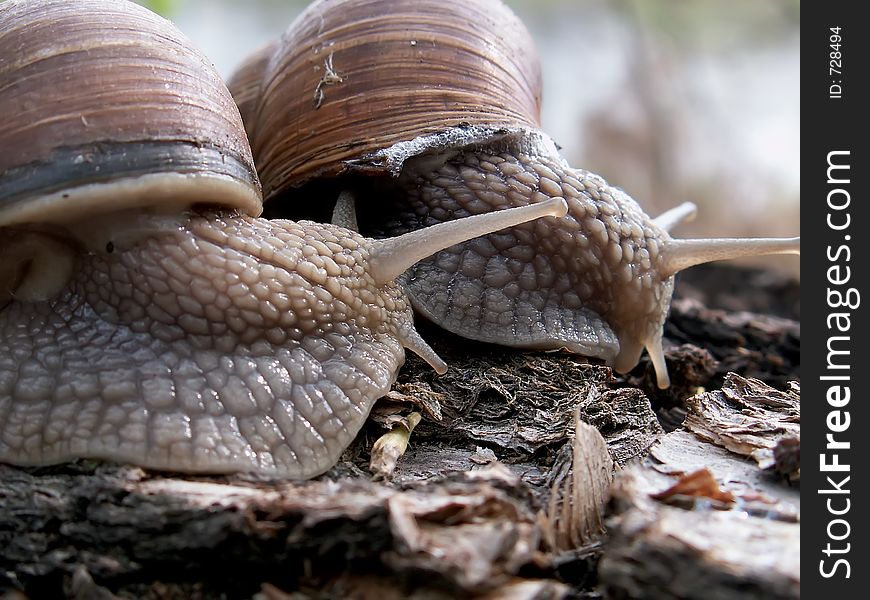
pixel 93 123
pixel 349 80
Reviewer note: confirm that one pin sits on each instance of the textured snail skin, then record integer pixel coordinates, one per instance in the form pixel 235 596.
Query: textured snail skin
pixel 225 344
pixel 598 282
pixel 587 282
pixel 213 343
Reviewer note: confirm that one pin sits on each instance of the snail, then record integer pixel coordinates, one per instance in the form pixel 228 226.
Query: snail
pixel 434 105
pixel 147 314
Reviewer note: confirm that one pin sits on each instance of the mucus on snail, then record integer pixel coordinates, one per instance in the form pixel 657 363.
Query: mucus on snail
pixel 429 110
pixel 147 315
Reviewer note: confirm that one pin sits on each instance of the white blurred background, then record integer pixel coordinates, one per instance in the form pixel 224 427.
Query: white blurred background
pixel 671 100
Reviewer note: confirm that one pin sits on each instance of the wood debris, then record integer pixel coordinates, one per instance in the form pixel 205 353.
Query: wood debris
pixel 695 519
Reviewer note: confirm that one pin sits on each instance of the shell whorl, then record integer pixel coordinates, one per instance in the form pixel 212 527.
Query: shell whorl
pixel 350 79
pixel 106 95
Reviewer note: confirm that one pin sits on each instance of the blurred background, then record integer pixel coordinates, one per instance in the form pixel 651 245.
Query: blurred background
pixel 670 100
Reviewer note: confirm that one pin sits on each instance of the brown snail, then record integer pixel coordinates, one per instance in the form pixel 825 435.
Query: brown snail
pixel 146 314
pixel 434 105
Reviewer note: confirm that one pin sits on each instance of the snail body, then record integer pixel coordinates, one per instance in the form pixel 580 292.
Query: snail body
pixel 435 107
pixel 147 314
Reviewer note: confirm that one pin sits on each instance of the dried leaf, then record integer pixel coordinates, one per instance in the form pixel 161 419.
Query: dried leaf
pixel 574 514
pixel 698 484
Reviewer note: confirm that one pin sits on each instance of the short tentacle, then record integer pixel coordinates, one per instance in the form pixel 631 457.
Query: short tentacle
pixel 412 340
pixel 684 213
pixel 657 356
pixel 344 213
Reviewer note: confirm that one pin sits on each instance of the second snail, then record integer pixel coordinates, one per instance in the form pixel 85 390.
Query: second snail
pixel 428 111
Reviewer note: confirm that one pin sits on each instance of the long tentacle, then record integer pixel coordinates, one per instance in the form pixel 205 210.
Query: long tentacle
pixel 391 257
pixel 682 254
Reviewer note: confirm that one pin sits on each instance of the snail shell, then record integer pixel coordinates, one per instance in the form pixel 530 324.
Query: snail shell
pixel 160 120
pixel 350 79
pixel 148 316
pixel 441 99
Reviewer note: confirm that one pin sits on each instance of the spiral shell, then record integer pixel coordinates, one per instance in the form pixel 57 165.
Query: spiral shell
pixel 349 80
pixel 98 117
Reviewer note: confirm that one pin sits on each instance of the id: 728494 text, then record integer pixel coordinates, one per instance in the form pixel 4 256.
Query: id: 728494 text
pixel 835 65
